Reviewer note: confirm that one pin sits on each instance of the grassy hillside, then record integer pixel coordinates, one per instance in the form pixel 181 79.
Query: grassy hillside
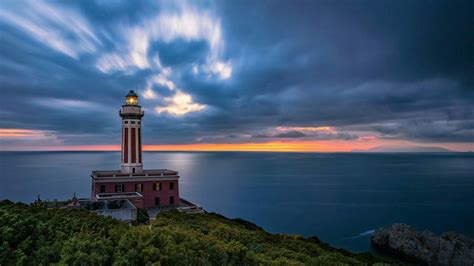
pixel 35 235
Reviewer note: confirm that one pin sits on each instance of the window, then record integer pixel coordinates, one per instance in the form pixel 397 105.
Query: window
pixel 102 189
pixel 156 186
pixel 119 188
pixel 171 200
pixel 133 170
pixel 138 187
pixel 171 185
pixel 125 122
pixel 157 201
pixel 133 122
pixel 139 122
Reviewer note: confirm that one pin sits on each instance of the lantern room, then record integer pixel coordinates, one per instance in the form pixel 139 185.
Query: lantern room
pixel 131 98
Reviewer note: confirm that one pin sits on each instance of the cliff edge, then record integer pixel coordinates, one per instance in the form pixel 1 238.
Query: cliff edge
pixel 425 247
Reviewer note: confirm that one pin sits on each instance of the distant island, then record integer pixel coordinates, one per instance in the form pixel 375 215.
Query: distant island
pixel 33 235
pixel 404 149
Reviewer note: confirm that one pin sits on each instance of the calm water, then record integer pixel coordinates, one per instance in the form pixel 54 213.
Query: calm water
pixel 340 197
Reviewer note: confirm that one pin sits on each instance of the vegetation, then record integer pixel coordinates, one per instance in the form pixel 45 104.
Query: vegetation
pixel 31 235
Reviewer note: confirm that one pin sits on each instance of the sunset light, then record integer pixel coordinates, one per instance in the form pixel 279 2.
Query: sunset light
pixel 236 132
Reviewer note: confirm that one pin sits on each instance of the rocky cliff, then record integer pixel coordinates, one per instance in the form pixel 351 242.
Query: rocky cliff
pixel 426 247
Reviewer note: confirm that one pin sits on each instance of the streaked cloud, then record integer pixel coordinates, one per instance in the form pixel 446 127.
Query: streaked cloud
pixel 162 79
pixel 18 139
pixel 21 133
pixel 62 29
pixel 68 104
pixel 184 23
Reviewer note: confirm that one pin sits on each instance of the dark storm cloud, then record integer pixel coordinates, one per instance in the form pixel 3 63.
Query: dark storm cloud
pixel 398 69
pixel 291 134
pixel 429 131
pixel 294 134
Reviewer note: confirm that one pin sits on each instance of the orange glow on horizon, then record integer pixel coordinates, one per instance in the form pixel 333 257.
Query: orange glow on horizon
pixel 272 146
pixel 362 143
pixel 14 132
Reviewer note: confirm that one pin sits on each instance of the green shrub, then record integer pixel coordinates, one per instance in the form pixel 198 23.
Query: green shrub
pixel 32 235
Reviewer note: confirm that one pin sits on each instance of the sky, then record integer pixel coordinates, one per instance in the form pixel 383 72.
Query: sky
pixel 301 75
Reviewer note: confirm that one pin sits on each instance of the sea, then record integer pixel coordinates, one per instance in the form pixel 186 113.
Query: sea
pixel 339 197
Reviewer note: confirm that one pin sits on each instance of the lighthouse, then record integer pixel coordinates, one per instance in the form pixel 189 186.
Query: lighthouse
pixel 131 114
pixel 144 188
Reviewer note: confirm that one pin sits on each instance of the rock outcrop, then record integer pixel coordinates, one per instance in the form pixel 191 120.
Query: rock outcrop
pixel 425 247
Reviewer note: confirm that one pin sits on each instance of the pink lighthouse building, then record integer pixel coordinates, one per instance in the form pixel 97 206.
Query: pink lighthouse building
pixel 156 188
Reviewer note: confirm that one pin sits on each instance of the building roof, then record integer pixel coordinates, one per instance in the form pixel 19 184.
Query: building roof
pixel 132 93
pixel 152 173
pixel 120 195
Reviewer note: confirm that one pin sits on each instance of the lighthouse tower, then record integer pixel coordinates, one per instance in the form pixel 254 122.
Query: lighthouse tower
pixel 144 188
pixel 131 114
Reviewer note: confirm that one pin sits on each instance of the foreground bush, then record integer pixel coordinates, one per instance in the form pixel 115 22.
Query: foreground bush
pixel 35 235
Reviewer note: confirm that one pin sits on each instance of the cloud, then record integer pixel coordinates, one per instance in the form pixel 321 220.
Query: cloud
pixel 162 79
pixel 326 129
pixel 187 23
pixel 312 133
pixel 290 134
pixel 139 48
pixel 21 133
pixel 149 94
pixel 67 104
pixel 134 56
pixel 14 138
pixel 223 70
pixel 428 131
pixel 180 104
pixel 355 73
pixel 113 62
pixel 62 29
